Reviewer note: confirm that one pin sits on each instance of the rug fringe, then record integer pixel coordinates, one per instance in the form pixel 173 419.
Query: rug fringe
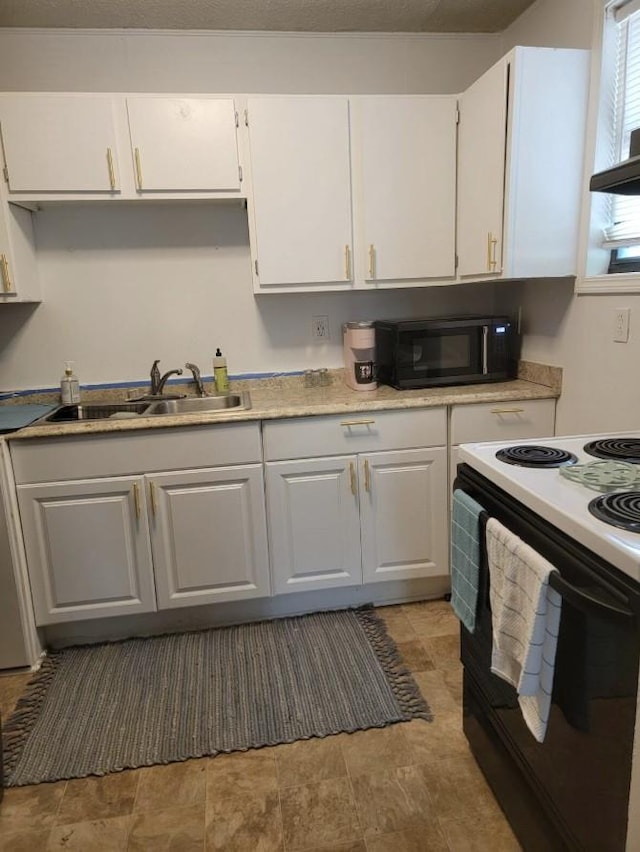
pixel 405 689
pixel 26 712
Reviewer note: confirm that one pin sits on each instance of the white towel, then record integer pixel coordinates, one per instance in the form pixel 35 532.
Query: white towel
pixel 525 613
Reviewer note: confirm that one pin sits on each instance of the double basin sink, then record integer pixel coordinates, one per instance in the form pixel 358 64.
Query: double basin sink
pixel 221 404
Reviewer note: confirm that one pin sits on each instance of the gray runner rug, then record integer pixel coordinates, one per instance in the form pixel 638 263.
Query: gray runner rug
pixel 97 709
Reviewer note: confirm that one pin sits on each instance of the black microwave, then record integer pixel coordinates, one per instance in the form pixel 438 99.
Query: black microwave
pixel 433 351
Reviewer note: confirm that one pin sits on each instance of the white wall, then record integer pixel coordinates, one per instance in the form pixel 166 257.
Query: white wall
pixel 123 286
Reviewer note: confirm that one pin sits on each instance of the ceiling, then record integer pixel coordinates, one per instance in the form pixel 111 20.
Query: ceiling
pixel 447 16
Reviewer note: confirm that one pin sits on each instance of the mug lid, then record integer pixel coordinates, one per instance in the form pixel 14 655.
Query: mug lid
pixel 359 324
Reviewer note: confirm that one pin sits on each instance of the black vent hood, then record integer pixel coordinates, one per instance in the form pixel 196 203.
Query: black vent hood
pixel 623 178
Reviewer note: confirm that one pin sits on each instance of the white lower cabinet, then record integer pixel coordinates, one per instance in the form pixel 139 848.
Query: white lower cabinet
pixel 148 538
pixel 88 548
pixel 365 517
pixel 314 523
pixel 208 535
pixel 403 514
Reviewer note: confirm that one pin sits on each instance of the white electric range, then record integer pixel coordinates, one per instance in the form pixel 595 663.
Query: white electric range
pixel 564 501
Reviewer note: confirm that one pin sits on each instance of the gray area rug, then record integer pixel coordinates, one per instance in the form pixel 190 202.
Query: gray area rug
pixel 97 709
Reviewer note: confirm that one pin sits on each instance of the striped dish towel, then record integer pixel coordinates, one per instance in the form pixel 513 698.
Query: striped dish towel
pixel 465 557
pixel 525 613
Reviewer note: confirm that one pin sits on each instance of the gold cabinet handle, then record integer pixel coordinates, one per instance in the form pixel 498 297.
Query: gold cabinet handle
pixel 7 284
pixel 112 174
pixel 507 410
pixel 347 262
pixel 357 422
pixel 152 494
pixel 138 167
pixel 352 476
pixel 367 476
pixel 372 261
pixel 492 242
pixel 136 499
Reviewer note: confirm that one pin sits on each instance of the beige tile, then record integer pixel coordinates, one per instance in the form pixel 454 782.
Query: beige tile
pixel 443 650
pixel 30 808
pixel 486 834
pixel 434 740
pixel 458 789
pixel 319 815
pixel 11 688
pixel 392 800
pixel 438 623
pixel 414 656
pixel 367 751
pixel 399 628
pixel 174 785
pixel 253 772
pixel 453 679
pixel 23 841
pixel 435 688
pixel 425 608
pixel 88 799
pixel 170 830
pixel 243 822
pixel 427 837
pixel 101 835
pixel 308 761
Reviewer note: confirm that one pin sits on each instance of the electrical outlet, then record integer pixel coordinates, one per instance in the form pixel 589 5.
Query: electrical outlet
pixel 320 328
pixel 621 325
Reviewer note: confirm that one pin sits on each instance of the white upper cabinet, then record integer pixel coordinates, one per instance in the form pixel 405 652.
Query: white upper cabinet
pixel 481 163
pixel 19 275
pixel 184 144
pixel 59 143
pixel 404 150
pixel 300 212
pixel 520 163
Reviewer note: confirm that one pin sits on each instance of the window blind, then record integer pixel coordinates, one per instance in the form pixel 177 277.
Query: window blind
pixel 624 229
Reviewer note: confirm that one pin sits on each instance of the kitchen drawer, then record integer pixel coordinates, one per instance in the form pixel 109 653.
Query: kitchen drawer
pixel 354 433
pixel 497 421
pixel 81 457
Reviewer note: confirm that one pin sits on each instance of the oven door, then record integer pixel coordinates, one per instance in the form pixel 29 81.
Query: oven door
pixel 442 355
pixel 580 774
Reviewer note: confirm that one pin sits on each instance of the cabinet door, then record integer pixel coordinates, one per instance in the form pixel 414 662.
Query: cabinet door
pixel 19 277
pixel 481 173
pixel 403 513
pixel 186 144
pixel 314 527
pixel 57 143
pixel 87 545
pixel 301 189
pixel 406 148
pixel 208 532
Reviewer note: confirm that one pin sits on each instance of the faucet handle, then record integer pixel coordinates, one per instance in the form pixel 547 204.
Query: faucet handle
pixel 155 377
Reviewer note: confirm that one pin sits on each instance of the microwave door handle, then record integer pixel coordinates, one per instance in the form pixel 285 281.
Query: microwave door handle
pixel 587 602
pixel 485 344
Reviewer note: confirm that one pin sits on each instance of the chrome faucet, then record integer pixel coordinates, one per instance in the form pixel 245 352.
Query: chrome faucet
pixel 197 378
pixel 157 381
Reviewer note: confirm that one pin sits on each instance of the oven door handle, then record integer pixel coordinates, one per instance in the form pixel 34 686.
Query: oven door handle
pixel 586 601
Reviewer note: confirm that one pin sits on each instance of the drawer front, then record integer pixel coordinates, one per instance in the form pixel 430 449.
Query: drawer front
pixel 354 433
pixel 81 457
pixel 508 421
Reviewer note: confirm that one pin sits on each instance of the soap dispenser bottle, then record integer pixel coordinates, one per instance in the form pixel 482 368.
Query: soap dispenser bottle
pixel 69 385
pixel 220 375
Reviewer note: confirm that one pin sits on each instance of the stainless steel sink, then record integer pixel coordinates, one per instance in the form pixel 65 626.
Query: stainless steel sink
pixel 220 403
pixel 101 411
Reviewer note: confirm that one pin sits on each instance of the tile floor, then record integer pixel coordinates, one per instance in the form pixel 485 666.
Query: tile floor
pixel 412 787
